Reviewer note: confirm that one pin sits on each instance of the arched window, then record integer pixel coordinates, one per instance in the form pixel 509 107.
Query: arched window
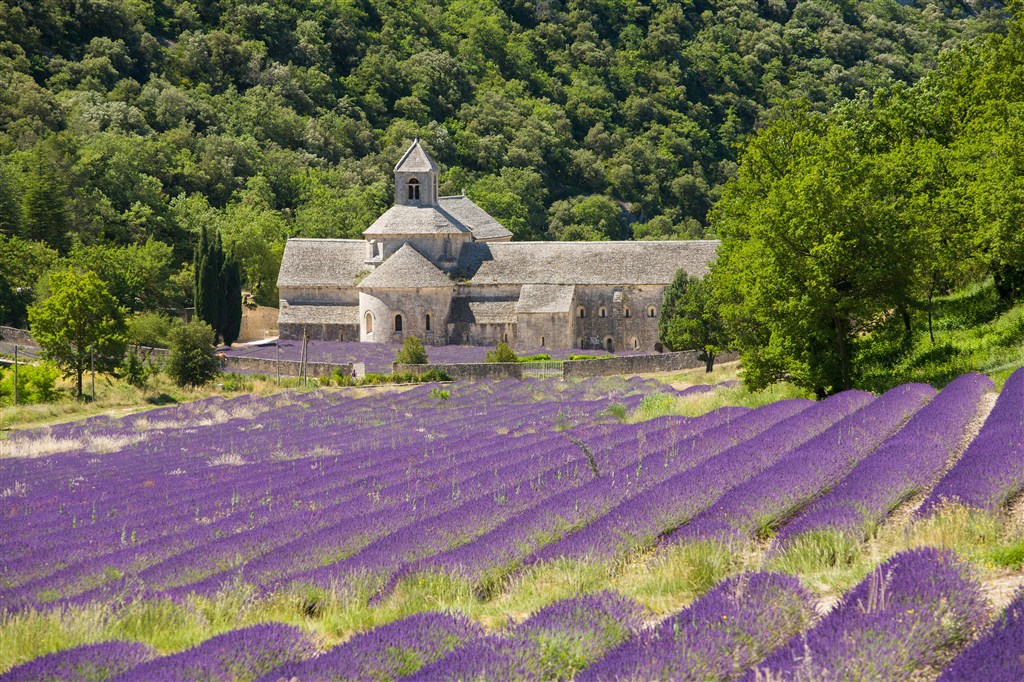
pixel 609 345
pixel 504 338
pixel 625 312
pixel 427 321
pixel 636 344
pixel 414 190
pixel 652 311
pixel 581 311
pixel 602 312
pixel 542 342
pixel 398 323
pixel 369 322
pixel 579 342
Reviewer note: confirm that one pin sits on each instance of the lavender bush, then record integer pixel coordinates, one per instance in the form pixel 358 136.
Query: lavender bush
pixel 990 472
pixel 238 655
pixel 899 620
pixel 721 634
pixel 905 464
pixel 996 657
pixel 387 652
pixel 86 663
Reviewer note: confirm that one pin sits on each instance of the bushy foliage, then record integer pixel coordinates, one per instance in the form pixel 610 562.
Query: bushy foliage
pixel 151 329
pixel 502 353
pixel 36 384
pixel 690 318
pixel 192 361
pixel 412 352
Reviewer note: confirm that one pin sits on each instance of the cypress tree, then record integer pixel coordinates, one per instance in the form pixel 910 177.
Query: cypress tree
pixel 232 287
pixel 209 266
pixel 44 213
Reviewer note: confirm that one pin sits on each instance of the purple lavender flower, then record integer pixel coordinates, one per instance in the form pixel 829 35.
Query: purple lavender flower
pixel 243 654
pixel 991 470
pixel 903 465
pixel 386 652
pixel 897 621
pixel 717 637
pixel 554 643
pixel 999 655
pixel 86 663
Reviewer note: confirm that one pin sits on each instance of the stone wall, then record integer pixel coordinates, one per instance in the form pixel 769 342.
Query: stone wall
pixel 18 336
pixel 258 323
pixel 289 368
pixel 637 364
pixel 468 370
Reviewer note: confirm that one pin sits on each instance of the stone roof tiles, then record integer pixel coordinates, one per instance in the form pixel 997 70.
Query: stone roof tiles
pixel 415 160
pixel 584 263
pixel 322 262
pixel 545 298
pixel 406 269
pixel 479 221
pixel 470 311
pixel 402 219
pixel 319 314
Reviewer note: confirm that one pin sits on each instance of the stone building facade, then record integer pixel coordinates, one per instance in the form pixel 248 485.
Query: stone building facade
pixel 442 269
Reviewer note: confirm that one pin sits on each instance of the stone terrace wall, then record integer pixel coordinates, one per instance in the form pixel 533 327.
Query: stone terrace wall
pixel 19 336
pixel 637 364
pixel 289 368
pixel 468 370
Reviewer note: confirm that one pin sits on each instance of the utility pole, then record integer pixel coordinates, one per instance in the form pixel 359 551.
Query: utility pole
pixel 92 369
pixel 277 352
pixel 305 346
pixel 15 374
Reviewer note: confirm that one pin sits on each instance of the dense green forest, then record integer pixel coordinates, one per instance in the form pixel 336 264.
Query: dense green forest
pixel 126 125
pixel 843 230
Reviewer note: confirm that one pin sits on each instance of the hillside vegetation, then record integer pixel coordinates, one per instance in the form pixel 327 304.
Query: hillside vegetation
pixel 122 122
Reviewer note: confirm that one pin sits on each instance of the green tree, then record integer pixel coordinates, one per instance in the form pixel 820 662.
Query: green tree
pixel 501 353
pixel 191 361
pixel 44 211
pixel 412 352
pixel 231 282
pixel 79 323
pixel 690 319
pixel 209 267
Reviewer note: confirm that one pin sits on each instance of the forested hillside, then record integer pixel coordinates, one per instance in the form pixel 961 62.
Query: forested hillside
pixel 123 121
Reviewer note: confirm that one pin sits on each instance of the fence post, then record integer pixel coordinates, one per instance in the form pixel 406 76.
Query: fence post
pixel 15 374
pixel 92 369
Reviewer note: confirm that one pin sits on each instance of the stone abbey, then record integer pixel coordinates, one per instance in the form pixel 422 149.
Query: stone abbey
pixel 444 270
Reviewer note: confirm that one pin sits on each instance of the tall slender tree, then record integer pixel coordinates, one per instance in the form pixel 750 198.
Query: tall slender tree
pixel 232 286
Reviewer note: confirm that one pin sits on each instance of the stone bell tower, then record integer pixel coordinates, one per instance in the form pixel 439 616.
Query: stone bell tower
pixel 416 178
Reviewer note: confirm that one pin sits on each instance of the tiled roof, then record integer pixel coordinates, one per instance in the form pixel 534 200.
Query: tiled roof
pixel 402 219
pixel 415 160
pixel 545 298
pixel 584 263
pixel 466 310
pixel 479 221
pixel 319 314
pixel 406 269
pixel 322 262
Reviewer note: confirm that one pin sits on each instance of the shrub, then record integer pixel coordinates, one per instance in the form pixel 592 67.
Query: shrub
pixel 534 358
pixel 191 361
pixel 440 394
pixel 134 371
pixel 503 353
pixel 36 384
pixel 434 375
pixel 412 352
pixel 151 329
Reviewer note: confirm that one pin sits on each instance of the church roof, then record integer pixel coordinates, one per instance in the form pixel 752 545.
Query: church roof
pixel 319 314
pixel 322 262
pixel 545 298
pixel 584 263
pixel 400 219
pixel 482 224
pixel 415 160
pixel 406 269
pixel 470 311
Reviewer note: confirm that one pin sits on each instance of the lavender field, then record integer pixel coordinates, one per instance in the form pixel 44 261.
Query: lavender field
pixel 519 530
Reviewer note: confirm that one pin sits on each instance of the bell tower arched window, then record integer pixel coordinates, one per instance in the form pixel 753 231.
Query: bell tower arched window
pixel 414 190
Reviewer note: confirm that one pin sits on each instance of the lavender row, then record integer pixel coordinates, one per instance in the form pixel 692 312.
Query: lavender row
pixel 637 522
pixel 999 655
pixel 990 472
pixel 904 465
pixel 730 628
pixel 763 503
pixel 86 663
pixel 896 622
pixel 494 554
